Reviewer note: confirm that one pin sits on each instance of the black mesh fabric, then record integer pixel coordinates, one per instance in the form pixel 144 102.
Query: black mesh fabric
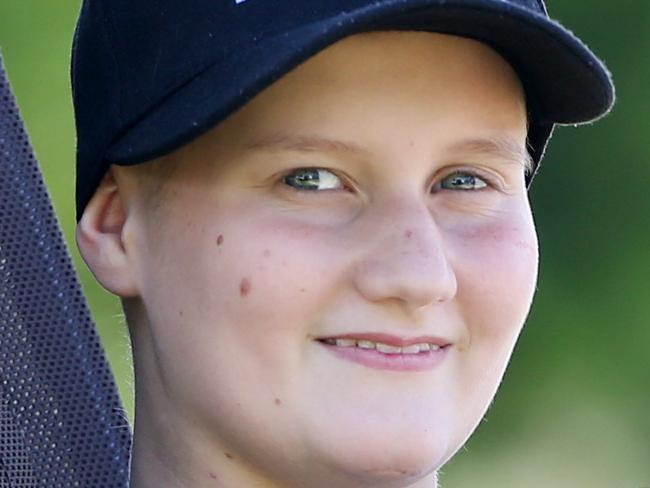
pixel 61 420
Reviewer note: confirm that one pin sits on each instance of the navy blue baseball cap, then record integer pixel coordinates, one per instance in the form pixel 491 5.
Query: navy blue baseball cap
pixel 149 76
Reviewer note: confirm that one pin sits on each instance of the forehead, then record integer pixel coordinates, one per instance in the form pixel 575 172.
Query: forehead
pixel 393 74
pixel 416 59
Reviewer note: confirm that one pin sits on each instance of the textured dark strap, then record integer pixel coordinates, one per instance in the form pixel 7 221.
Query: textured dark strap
pixel 61 420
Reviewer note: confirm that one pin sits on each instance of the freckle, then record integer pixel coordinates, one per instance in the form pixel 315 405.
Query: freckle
pixel 303 290
pixel 213 475
pixel 228 455
pixel 277 401
pixel 267 253
pixel 408 233
pixel 219 240
pixel 244 287
pixel 180 313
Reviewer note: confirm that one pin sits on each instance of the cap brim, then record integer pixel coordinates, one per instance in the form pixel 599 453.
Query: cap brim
pixel 566 82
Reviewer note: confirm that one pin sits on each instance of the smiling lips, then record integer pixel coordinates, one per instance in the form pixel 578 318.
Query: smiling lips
pixel 384 351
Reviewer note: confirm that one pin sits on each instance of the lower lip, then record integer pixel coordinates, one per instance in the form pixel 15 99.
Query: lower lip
pixel 422 361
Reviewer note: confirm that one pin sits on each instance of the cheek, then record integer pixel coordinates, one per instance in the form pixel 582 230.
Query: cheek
pixel 232 314
pixel 250 294
pixel 496 268
pixel 268 277
pixel 498 282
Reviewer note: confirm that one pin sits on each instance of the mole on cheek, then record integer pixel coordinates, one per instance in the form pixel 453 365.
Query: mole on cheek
pixel 228 455
pixel 213 475
pixel 408 234
pixel 277 401
pixel 219 240
pixel 244 287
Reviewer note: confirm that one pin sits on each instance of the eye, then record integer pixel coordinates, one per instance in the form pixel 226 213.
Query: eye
pixel 461 180
pixel 313 179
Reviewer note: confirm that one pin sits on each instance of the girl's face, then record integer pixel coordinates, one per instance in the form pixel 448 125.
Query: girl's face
pixel 373 195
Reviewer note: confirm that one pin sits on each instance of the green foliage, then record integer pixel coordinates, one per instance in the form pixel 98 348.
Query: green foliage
pixel 573 408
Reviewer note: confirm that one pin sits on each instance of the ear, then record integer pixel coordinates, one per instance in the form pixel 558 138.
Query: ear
pixel 101 236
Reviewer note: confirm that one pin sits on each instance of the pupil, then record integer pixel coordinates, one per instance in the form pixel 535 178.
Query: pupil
pixel 308 178
pixel 462 181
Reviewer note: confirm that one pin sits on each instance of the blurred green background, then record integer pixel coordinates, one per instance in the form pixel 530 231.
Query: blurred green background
pixel 574 409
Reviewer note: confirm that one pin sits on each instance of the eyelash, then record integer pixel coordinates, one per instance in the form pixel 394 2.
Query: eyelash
pixel 488 182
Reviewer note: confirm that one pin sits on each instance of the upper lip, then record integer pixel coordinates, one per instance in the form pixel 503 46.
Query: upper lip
pixel 391 339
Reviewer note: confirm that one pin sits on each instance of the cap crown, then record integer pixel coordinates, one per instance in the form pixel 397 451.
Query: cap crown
pixel 148 48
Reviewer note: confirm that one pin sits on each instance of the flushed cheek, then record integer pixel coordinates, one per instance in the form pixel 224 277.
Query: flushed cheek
pixel 498 259
pixel 496 269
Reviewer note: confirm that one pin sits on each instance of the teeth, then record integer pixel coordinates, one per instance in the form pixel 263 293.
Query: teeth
pixel 414 349
pixel 383 348
pixel 386 349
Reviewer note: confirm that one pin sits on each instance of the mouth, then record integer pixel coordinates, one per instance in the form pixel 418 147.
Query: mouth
pixel 388 352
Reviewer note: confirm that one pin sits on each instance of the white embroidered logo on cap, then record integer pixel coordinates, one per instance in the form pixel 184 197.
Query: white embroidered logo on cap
pixel 237 2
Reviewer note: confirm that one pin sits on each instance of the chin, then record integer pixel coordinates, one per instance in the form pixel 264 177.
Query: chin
pixel 398 462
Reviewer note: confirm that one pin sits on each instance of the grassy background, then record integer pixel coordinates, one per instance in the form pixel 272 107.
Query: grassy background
pixel 573 409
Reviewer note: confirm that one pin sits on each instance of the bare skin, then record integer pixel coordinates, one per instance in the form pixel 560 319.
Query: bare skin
pixel 412 220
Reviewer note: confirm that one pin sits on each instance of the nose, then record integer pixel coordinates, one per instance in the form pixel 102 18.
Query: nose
pixel 406 261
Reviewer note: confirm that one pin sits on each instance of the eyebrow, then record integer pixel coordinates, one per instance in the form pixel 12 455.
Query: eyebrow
pixel 501 147
pixel 305 144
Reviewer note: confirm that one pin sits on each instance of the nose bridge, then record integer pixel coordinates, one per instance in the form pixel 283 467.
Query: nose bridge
pixel 407 258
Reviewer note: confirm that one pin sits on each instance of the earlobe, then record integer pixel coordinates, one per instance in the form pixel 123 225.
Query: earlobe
pixel 100 237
